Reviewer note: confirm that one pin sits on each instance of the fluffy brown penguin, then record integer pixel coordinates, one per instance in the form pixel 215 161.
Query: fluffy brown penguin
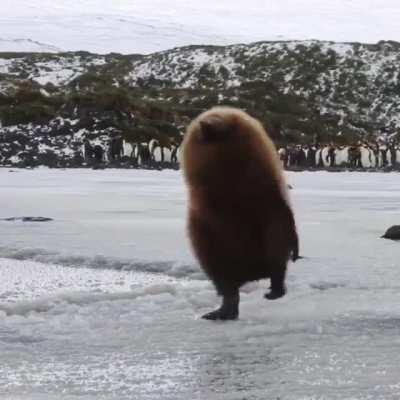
pixel 240 223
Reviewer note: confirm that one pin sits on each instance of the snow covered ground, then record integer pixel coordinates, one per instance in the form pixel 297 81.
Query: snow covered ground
pixel 144 26
pixel 104 301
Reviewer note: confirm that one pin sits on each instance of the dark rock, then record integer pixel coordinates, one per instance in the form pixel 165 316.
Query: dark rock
pixel 28 219
pixel 392 233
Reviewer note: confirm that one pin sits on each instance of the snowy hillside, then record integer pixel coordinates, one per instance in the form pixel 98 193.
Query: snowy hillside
pixel 26 45
pixel 341 92
pixel 145 26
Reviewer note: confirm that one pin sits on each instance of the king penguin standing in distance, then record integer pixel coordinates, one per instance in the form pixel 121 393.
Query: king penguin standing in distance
pixel 240 222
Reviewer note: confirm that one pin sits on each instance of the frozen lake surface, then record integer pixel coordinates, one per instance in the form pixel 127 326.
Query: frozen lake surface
pixel 104 301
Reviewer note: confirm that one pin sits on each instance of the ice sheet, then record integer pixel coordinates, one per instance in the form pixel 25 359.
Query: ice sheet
pixel 104 301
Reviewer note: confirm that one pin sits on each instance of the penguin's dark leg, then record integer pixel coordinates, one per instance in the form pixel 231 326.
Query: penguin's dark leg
pixel 229 309
pixel 278 288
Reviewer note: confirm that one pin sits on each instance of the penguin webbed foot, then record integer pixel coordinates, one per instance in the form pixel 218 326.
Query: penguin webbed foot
pixel 274 294
pixel 222 315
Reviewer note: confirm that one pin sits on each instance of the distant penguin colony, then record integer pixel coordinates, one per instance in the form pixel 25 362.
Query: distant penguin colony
pixel 240 222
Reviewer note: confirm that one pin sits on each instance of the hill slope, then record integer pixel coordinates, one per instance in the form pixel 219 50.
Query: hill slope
pixel 146 26
pixel 299 89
